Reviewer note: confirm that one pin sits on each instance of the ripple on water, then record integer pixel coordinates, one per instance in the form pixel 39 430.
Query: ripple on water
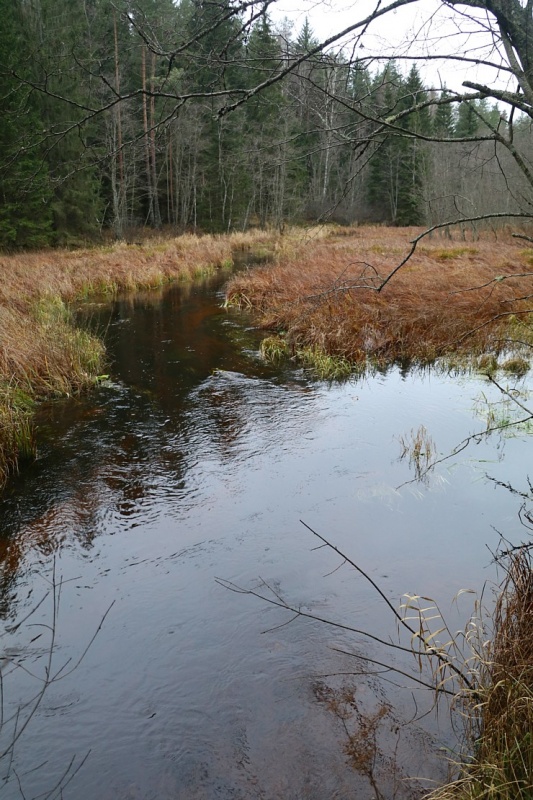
pixel 197 463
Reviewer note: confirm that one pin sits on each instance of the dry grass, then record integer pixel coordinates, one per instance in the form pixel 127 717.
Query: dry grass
pixel 42 354
pixel 499 717
pixel 119 267
pixel 449 298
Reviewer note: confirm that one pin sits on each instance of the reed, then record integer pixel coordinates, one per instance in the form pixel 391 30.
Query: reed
pixel 419 449
pixel 447 302
pixel 498 713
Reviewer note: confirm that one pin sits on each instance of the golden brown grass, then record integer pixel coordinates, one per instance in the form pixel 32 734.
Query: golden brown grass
pixel 499 717
pixel 450 298
pixel 42 354
pixel 119 267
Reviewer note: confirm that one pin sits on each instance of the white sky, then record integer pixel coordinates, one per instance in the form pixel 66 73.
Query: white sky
pixel 427 26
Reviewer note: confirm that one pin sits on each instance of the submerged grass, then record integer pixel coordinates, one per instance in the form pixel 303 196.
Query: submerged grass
pixel 43 353
pixel 323 365
pixel 276 349
pixel 457 303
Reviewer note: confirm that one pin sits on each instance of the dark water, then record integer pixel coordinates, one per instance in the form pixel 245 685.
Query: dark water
pixel 197 461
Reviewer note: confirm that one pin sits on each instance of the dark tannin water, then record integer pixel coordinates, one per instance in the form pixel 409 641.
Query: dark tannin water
pixel 198 461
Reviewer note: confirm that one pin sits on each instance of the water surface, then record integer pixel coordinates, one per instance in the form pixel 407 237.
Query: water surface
pixel 198 461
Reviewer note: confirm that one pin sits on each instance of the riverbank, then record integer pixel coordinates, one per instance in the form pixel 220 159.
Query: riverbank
pixel 497 712
pixel 43 354
pixel 453 299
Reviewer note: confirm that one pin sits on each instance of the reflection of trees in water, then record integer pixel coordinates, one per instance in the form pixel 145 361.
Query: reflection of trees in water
pixel 113 466
pixel 168 348
pixel 109 461
pixel 224 415
pixel 97 468
pixel 234 412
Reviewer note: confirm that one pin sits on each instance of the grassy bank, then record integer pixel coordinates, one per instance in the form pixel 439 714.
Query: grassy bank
pixel 498 712
pixel 42 353
pixel 454 299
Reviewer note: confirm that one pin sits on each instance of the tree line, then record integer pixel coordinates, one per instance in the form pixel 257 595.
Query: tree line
pixel 119 116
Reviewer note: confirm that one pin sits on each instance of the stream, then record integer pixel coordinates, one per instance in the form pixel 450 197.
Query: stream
pixel 196 461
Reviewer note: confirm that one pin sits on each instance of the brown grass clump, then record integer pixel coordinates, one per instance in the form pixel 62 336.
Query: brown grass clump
pixel 500 716
pixel 466 300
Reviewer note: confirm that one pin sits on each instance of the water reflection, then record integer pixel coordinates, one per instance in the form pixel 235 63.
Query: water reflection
pixel 113 457
pixel 197 461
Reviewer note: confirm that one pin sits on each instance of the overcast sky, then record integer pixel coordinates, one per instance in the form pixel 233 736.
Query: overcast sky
pixel 427 26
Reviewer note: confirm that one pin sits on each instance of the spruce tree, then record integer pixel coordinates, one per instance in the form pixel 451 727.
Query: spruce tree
pixel 444 121
pixel 306 40
pixel 308 102
pixel 382 188
pixel 412 167
pixel 398 168
pixel 25 193
pixel 265 123
pixel 467 120
pixel 213 62
pixel 62 64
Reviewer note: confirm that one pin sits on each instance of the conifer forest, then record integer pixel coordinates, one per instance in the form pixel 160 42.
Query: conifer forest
pixel 202 116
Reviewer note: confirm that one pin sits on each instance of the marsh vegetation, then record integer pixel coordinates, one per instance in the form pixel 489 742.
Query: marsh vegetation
pixel 462 305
